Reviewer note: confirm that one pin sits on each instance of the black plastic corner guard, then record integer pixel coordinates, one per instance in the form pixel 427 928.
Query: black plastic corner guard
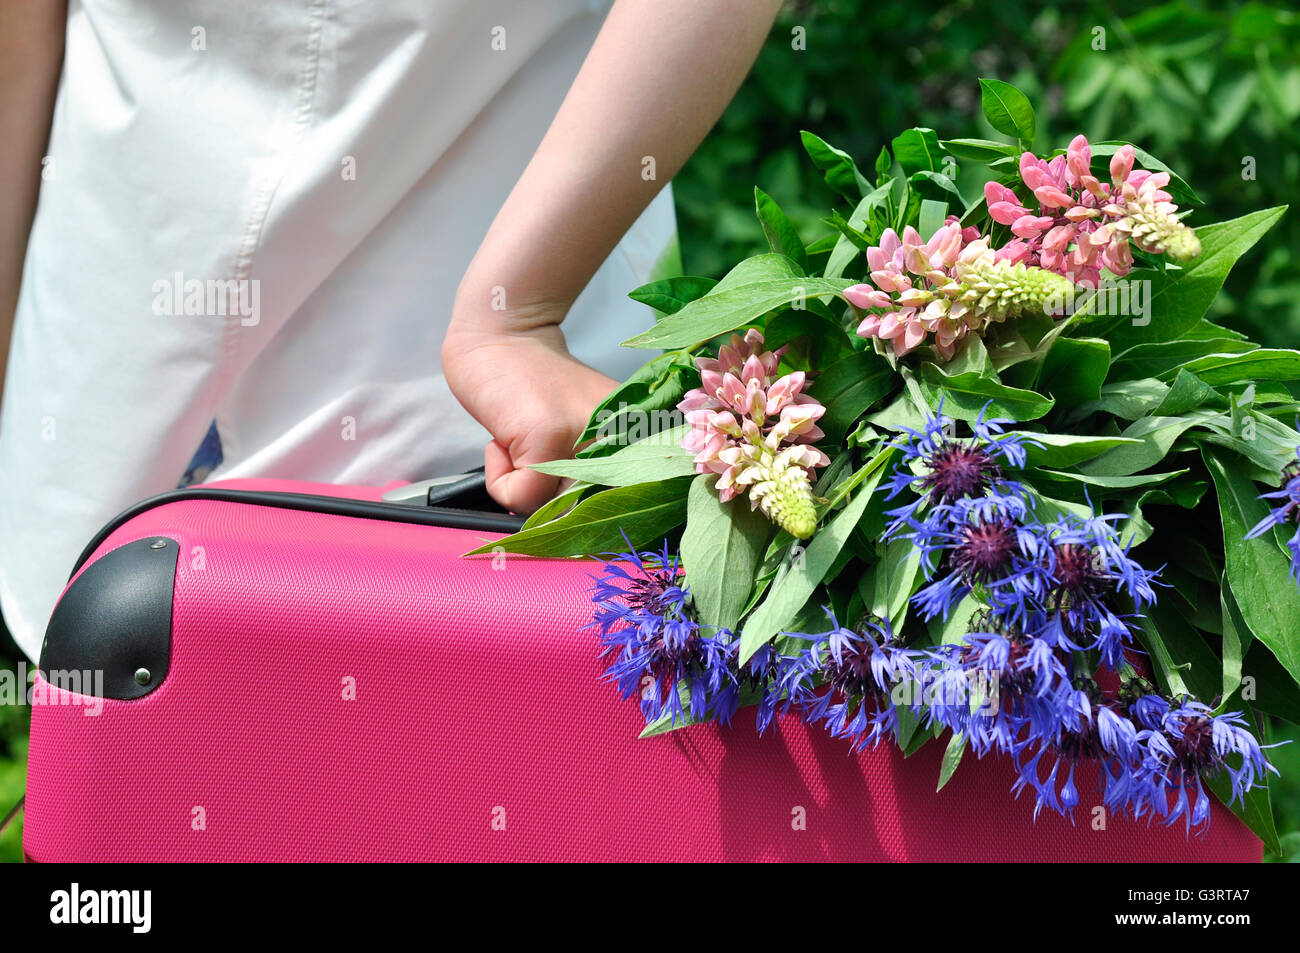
pixel 113 625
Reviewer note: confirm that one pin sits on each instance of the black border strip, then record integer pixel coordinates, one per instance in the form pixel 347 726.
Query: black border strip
pixel 447 516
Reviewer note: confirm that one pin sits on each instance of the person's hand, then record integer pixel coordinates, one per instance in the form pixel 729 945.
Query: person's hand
pixel 531 394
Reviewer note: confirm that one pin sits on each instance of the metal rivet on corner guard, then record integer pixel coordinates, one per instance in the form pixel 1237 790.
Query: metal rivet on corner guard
pixel 142 676
pixel 158 544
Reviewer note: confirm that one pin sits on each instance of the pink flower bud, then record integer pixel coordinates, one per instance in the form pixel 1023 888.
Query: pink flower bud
pixel 1121 164
pixel 1078 157
pixel 1030 226
pixel 865 297
pixel 1005 213
pixel 1052 197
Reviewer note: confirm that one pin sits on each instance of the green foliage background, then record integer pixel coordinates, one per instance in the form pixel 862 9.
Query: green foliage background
pixel 1211 88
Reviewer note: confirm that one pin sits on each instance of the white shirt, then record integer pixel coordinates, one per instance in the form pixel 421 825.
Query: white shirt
pixel 339 162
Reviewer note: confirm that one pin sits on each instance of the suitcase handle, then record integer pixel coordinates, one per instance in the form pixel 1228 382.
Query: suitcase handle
pixel 464 491
pixel 453 517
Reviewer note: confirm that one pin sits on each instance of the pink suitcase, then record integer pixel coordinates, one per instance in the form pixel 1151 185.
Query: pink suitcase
pixel 297 672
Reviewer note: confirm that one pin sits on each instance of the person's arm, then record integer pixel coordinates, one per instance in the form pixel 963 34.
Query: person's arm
pixel 31 54
pixel 657 78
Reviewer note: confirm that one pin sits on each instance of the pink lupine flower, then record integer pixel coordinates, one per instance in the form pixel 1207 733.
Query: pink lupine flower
pixel 949 286
pixel 1083 224
pixel 755 431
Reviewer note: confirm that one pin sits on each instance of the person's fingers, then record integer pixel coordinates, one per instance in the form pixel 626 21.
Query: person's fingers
pixel 527 490
pixel 512 484
pixel 496 467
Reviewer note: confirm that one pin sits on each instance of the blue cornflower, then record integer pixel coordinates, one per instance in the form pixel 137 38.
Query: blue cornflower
pixel 866 671
pixel 1085 566
pixel 950 468
pixel 1002 691
pixel 1288 511
pixel 981 543
pixel 1189 743
pixel 762 676
pixel 1097 731
pixel 642 617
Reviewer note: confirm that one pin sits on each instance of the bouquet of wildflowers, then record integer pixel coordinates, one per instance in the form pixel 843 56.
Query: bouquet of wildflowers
pixel 976 471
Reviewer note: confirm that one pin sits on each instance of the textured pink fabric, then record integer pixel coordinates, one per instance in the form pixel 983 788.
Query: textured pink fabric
pixel 480 731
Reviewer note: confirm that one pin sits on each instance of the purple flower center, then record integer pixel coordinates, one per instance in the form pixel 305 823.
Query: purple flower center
pixel 1080 575
pixel 957 470
pixel 1194 745
pixel 986 551
pixel 851 674
pixel 651 594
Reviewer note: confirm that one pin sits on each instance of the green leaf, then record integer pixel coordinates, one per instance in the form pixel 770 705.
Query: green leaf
pixel 1199 668
pixel 1255 809
pixel 792 590
pixel 672 294
pixel 966 395
pixel 971 355
pixel 1274 690
pixel 1066 450
pixel 951 758
pixel 556 507
pixel 1268 443
pixel 932 217
pixel 1074 369
pixel 980 150
pixel 837 166
pixel 1157 435
pixel 1236 638
pixel 1263 364
pixel 644 512
pixel 722 311
pixel 1181 298
pixel 767 267
pixel 1128 400
pixel 1187 393
pixel 955 628
pixel 1008 110
pixel 1167 671
pixel 656 386
pixel 851 233
pixel 936 186
pixel 890 581
pixel 1112 482
pixel 721 548
pixel 1047 509
pixel 658 458
pixel 1258 573
pixel 845 250
pixel 1162 359
pixel 782 237
pixel 827 342
pixel 848 388
pixel 918 149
